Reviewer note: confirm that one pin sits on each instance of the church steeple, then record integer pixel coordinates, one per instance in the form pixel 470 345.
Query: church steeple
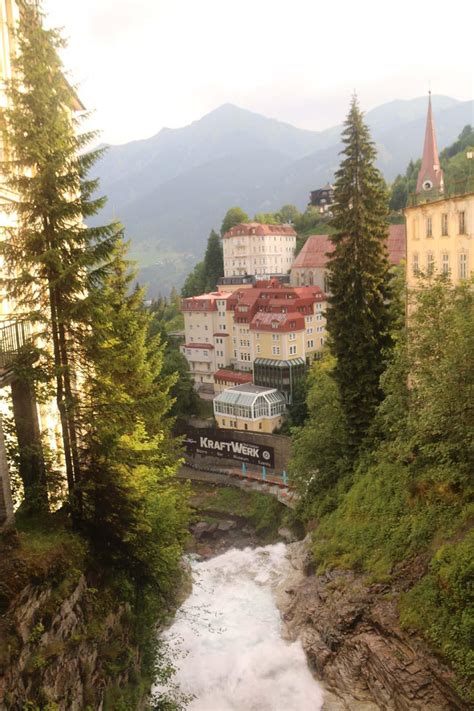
pixel 430 177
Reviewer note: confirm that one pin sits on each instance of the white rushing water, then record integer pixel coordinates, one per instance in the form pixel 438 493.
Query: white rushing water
pixel 226 638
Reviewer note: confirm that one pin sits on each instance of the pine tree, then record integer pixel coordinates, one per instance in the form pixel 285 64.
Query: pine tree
pixel 358 318
pixel 52 257
pixel 213 261
pixel 133 511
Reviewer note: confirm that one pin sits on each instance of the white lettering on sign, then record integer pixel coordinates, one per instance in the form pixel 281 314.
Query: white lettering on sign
pixel 234 447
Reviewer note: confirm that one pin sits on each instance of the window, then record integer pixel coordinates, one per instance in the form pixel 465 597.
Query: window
pixel 258 347
pixel 429 227
pixel 292 337
pixel 311 343
pixel 415 264
pixel 462 223
pixel 463 265
pixel 292 350
pixel 444 224
pixel 430 263
pixel 445 263
pixel 275 350
pixel 275 336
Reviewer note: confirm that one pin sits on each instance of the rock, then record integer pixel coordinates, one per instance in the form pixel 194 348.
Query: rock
pixel 225 526
pixel 203 529
pixel 350 632
pixel 286 534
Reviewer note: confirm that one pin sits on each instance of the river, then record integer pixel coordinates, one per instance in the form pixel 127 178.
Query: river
pixel 226 640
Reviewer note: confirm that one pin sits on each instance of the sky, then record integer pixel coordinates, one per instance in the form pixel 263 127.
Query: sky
pixel 142 65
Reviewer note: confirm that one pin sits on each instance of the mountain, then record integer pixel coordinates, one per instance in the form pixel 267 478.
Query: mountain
pixel 171 189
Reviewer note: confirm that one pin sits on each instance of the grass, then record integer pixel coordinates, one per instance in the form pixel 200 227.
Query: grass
pixel 264 512
pixel 382 524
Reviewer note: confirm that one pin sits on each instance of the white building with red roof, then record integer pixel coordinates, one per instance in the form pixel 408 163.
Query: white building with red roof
pixel 254 248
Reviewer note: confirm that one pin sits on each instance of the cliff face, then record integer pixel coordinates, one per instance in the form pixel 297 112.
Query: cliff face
pixel 63 651
pixel 350 632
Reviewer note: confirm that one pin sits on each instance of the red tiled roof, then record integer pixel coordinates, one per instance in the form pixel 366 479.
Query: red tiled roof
pixel 316 248
pixel 263 321
pixel 256 228
pixel 396 243
pixel 232 376
pixel 209 346
pixel 204 302
pixel 313 253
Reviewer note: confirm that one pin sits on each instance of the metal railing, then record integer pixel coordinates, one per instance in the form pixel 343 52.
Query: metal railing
pixel 13 337
pixel 453 189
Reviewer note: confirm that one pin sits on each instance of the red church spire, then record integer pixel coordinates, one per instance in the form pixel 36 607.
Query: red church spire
pixel 430 176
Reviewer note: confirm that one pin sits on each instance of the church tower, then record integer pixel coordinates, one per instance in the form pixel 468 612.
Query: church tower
pixel 430 177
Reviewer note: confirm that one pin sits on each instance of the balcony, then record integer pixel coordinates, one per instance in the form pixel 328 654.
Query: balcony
pixel 13 337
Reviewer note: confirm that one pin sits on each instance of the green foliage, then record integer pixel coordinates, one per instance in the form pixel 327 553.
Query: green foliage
pixel 409 493
pixel 448 590
pixel 234 216
pixel 268 218
pixel 134 514
pixel 320 450
pixel 457 168
pixel 166 316
pixel 358 318
pixel 213 261
pixel 52 258
pixel 205 274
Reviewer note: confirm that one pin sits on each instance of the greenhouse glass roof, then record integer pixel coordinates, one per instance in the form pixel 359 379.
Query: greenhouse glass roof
pixel 247 394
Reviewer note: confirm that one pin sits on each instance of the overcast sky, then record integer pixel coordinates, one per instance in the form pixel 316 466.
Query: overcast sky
pixel 145 64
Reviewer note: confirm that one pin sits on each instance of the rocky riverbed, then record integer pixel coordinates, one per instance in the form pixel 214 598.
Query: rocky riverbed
pixel 350 632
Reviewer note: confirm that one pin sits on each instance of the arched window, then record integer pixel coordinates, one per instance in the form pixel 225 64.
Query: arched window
pixel 310 279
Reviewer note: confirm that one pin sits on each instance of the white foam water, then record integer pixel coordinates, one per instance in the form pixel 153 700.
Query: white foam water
pixel 226 638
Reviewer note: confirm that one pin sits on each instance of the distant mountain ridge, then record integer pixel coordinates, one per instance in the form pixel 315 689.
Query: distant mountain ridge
pixel 171 189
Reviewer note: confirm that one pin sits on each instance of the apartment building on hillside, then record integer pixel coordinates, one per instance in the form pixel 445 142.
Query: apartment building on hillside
pixel 270 330
pixel 263 250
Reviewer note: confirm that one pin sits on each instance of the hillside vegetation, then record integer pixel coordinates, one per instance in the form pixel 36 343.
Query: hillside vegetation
pixel 409 493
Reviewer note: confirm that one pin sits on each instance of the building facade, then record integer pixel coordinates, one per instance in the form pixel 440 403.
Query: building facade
pixel 271 323
pixel 440 237
pixel 250 407
pixel 439 226
pixel 262 250
pixel 207 327
pixel 310 266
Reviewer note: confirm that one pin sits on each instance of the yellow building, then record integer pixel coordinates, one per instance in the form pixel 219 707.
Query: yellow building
pixel 439 226
pixel 207 327
pixel 439 238
pixel 250 407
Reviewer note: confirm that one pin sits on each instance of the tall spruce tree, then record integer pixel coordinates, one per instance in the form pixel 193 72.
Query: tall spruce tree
pixel 358 319
pixel 213 261
pixel 133 511
pixel 53 259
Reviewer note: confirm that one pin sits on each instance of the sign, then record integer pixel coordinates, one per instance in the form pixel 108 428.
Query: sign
pixel 212 443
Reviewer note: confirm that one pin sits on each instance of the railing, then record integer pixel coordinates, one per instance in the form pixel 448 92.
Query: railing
pixel 13 337
pixel 456 188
